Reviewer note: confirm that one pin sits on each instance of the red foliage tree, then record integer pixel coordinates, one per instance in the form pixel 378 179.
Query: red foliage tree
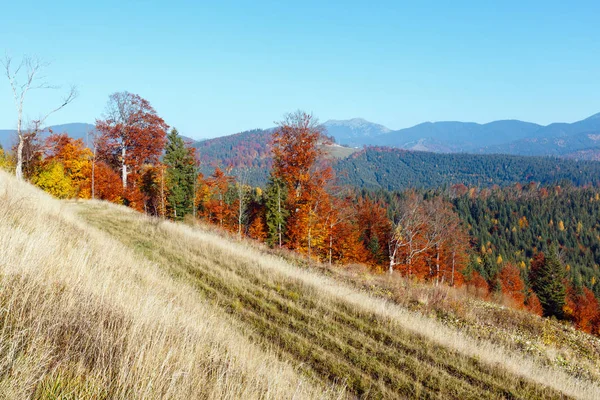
pixel 132 134
pixel 478 284
pixel 533 304
pixel 512 285
pixel 582 308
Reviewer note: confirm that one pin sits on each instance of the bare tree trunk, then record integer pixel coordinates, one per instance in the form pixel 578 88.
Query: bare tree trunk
pixel 309 240
pixel 162 192
pixel 330 243
pixel 94 167
pixel 124 167
pixel 453 260
pixel 279 214
pixel 240 210
pixel 19 167
pixel 94 176
pixel 437 264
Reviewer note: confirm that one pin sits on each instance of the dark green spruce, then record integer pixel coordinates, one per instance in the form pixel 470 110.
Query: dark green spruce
pixel 181 175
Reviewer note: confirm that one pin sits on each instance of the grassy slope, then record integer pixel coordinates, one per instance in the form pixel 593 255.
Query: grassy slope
pixel 331 331
pixel 82 316
pixel 111 304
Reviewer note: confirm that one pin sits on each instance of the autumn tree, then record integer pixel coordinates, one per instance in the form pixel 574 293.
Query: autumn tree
pixel 582 308
pixel 242 192
pixel 153 185
pixel 181 175
pixel 512 285
pixel 132 134
pixel 107 183
pixel 257 228
pixel 409 237
pixel 375 228
pixel 75 159
pixel 217 207
pixel 23 78
pixel 297 164
pixel 53 179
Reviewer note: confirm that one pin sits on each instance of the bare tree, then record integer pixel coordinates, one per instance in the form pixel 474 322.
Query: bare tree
pixel 241 188
pixel 409 232
pixel 92 139
pixel 24 78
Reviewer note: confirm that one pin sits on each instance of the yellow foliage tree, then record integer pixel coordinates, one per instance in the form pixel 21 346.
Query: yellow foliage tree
pixel 53 180
pixel 561 226
pixel 5 161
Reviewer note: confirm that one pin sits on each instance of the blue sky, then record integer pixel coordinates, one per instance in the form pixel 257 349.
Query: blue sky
pixel 215 68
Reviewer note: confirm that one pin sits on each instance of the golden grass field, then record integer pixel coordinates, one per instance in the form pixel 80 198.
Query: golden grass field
pixel 100 302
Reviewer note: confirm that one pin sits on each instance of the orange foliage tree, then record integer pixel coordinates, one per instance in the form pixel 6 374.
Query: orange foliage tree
pixel 75 158
pixel 375 229
pixel 296 162
pixel 108 183
pixel 215 205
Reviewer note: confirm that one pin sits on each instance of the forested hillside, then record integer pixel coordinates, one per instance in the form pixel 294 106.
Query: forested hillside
pixel 395 169
pixel 246 150
pixel 516 223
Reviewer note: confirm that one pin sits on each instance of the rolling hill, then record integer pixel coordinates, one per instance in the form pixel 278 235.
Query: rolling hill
pixel 104 302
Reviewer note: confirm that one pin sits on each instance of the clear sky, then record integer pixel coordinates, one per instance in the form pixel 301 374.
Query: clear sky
pixel 220 67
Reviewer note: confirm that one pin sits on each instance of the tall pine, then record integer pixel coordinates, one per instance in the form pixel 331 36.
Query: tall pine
pixel 181 174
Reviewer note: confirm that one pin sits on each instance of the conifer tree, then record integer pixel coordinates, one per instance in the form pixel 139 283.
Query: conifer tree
pixel 548 283
pixel 275 211
pixel 181 175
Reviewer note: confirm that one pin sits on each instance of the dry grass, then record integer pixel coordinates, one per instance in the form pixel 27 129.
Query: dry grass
pixel 332 330
pixel 82 316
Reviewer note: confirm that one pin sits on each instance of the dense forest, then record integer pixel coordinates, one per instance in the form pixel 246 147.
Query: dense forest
pixel 248 151
pixel 514 224
pixel 395 169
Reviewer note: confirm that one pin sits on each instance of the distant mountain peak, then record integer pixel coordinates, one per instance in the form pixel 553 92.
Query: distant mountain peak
pixel 355 131
pixel 595 116
pixel 357 123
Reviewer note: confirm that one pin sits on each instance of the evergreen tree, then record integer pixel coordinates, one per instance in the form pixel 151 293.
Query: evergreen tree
pixel 181 174
pixel 275 211
pixel 549 284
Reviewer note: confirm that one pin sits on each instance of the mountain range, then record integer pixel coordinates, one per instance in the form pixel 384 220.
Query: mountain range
pixel 579 140
pixel 505 136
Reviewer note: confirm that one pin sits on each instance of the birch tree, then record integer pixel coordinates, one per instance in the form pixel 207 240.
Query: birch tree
pixel 23 78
